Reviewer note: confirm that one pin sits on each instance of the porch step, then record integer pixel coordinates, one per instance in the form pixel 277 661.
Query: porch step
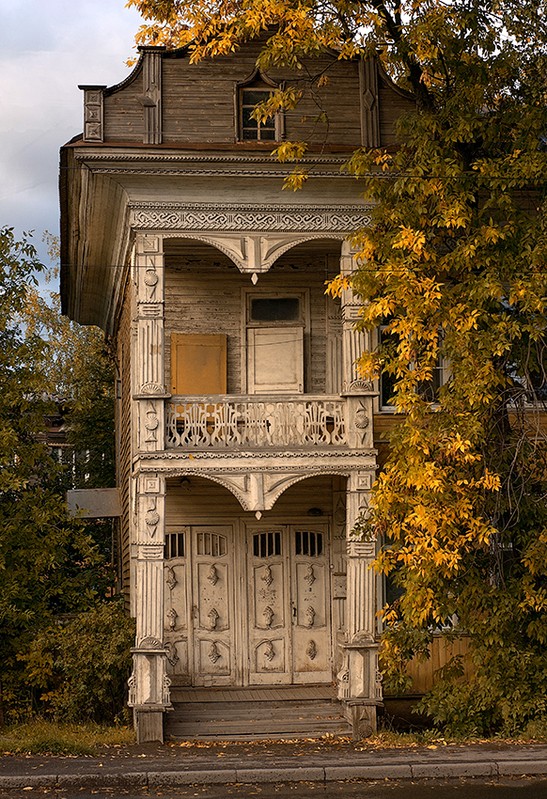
pixel 255 714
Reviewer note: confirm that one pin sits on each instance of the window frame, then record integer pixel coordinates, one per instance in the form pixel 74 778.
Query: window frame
pixel 304 322
pixel 442 370
pixel 257 82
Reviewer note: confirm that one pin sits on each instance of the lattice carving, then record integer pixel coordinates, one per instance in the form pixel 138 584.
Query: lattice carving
pixel 255 422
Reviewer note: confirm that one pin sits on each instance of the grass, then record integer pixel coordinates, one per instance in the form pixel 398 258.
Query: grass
pixel 40 736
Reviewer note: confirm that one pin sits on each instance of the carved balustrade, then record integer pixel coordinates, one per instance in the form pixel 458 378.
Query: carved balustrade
pixel 253 421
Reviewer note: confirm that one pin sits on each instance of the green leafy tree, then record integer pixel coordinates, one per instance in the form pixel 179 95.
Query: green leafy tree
pixel 50 565
pixel 454 265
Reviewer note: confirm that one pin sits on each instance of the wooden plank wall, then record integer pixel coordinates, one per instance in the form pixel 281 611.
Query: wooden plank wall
pixel 123 426
pixel 422 672
pixel 198 102
pixel 201 499
pixel 205 293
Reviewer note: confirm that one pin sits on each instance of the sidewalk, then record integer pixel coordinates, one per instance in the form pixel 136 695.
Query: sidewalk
pixel 328 760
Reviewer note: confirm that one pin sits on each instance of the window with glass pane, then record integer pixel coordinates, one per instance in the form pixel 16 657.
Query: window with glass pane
pixel 251 129
pixel 275 309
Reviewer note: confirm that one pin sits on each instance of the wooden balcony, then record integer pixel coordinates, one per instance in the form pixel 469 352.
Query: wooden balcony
pixel 253 421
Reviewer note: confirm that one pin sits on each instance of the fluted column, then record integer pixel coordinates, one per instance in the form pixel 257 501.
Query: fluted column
pixel 149 684
pixel 358 682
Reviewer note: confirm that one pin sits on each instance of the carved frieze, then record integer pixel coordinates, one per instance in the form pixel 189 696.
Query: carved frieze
pixel 304 219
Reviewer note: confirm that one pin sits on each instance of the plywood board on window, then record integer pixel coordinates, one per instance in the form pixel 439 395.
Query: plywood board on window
pixel 198 363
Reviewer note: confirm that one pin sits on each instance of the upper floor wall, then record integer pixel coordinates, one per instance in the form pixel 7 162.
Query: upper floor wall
pixel 169 101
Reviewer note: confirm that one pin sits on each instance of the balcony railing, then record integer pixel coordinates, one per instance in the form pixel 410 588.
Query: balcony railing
pixel 221 422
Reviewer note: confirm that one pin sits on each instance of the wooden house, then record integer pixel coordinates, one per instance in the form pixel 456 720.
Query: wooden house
pixel 245 438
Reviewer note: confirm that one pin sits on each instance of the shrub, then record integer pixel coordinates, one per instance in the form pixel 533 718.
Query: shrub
pixel 81 666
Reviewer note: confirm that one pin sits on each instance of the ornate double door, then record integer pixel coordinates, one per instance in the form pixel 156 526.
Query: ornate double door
pixel 289 637
pixel 248 607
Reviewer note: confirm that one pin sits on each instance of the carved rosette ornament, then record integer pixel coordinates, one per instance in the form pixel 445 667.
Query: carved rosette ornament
pixel 269 652
pixel 268 615
pixel 172 615
pixel 212 575
pixel 311 650
pixel 361 421
pixel 310 616
pixel 171 578
pixel 213 617
pixel 309 577
pixel 171 653
pixel 267 577
pixel 213 653
pixel 152 519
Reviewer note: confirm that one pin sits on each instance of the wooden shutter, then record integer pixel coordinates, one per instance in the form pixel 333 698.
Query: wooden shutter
pixel 198 363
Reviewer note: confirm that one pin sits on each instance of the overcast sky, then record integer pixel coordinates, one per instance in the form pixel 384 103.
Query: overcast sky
pixel 48 47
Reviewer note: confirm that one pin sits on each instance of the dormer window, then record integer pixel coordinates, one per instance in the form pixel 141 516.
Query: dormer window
pixel 251 128
pixel 255 90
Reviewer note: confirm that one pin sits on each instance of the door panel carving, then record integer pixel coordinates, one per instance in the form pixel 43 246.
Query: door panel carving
pixel 213 605
pixel 289 633
pixel 310 581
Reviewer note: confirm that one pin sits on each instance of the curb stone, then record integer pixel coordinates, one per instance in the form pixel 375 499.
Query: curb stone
pixel 195 777
pixel 389 771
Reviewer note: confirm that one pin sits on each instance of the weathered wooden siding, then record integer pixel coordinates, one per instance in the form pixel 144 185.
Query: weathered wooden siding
pixel 205 293
pixel 123 427
pixel 392 105
pixel 124 111
pixel 205 500
pixel 199 102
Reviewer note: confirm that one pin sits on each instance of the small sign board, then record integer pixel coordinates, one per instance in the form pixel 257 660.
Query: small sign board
pixel 94 503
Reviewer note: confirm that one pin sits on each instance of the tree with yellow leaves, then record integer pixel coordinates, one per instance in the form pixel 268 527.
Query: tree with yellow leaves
pixel 454 268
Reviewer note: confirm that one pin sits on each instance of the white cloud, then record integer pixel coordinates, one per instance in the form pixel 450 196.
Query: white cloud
pixel 49 47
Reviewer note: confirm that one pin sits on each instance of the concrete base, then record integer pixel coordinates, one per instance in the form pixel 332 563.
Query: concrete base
pixel 148 725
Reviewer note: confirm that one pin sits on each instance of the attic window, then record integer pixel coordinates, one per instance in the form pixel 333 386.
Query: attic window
pixel 251 129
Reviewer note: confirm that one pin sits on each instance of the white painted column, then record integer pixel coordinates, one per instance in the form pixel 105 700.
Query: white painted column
pixel 149 684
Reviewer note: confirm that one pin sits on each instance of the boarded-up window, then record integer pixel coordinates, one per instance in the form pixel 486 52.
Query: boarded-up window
pixel 198 363
pixel 275 360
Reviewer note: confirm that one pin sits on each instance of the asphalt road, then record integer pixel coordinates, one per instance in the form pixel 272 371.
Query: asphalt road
pixel 529 788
